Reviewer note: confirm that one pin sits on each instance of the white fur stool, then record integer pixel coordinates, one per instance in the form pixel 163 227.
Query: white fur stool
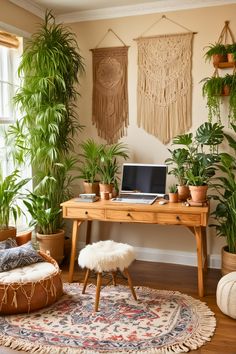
pixel 106 256
pixel 226 294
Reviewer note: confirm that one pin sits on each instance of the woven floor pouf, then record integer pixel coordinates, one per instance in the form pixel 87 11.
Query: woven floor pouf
pixel 226 294
pixel 106 256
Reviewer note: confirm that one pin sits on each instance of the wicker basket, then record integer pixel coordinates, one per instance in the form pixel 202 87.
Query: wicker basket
pixel 23 297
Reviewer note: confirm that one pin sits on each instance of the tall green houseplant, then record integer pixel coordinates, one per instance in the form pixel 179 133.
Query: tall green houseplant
pixel 49 68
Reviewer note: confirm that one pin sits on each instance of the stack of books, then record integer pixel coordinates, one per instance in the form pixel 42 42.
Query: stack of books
pixel 86 197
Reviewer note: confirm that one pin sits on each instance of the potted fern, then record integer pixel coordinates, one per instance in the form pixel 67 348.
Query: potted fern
pixel 45 134
pixel 216 52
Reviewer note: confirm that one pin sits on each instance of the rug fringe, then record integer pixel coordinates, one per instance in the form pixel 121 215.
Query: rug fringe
pixel 203 334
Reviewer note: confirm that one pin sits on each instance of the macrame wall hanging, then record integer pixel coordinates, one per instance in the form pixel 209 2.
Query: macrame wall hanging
pixel 164 84
pixel 110 92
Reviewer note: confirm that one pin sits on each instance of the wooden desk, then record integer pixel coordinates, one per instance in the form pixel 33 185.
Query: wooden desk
pixel 195 218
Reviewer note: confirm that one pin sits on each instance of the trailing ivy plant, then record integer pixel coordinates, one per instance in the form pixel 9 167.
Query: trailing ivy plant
pixel 49 68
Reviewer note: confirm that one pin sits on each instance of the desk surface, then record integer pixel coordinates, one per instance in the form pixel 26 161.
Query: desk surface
pixel 170 213
pixel 195 218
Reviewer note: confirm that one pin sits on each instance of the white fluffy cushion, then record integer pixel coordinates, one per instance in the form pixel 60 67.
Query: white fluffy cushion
pixel 226 294
pixel 30 273
pixel 106 256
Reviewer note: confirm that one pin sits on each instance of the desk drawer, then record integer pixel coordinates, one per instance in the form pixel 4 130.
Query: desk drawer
pixel 179 219
pixel 84 213
pixel 132 216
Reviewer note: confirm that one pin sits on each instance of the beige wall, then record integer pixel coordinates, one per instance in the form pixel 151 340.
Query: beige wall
pixel 208 23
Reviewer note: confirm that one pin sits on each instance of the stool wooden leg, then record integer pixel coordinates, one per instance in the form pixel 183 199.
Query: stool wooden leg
pixel 126 272
pixel 113 278
pixel 85 281
pixel 99 281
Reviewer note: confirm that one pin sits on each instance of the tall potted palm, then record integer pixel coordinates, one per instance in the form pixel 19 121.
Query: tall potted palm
pixel 50 66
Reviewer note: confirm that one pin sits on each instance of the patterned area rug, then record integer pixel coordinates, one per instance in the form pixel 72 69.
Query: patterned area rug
pixel 159 322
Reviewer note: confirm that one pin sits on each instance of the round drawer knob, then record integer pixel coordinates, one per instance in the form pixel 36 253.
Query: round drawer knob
pixel 177 218
pixel 128 214
pixel 86 213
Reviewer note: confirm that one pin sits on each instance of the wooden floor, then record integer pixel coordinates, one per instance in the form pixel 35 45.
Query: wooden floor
pixel 184 279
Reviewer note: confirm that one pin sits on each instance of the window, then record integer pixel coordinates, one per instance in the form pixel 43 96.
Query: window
pixel 10 56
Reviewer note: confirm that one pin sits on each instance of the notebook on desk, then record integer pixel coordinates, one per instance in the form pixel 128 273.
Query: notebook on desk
pixel 142 183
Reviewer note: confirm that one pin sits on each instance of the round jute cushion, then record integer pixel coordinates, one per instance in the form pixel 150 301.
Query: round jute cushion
pixel 30 288
pixel 105 256
pixel 226 294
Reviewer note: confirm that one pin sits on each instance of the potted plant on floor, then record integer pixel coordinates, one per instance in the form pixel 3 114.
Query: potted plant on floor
pixel 225 211
pixel 109 166
pixel 89 165
pixel 202 155
pixel 45 134
pixel 10 192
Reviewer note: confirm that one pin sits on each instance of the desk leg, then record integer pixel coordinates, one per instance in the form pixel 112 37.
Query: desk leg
pixel 201 247
pixel 204 248
pixel 88 232
pixel 76 224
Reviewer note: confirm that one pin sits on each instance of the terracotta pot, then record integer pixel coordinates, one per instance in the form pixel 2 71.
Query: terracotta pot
pixel 228 261
pixel 226 90
pixel 53 244
pixel 219 58
pixel 105 190
pixel 23 237
pixel 173 197
pixel 91 187
pixel 8 233
pixel 230 57
pixel 198 193
pixel 183 193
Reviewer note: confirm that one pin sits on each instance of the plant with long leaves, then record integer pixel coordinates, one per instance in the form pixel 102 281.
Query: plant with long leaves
pixel 90 160
pixel 109 167
pixel 45 134
pixel 225 186
pixel 10 192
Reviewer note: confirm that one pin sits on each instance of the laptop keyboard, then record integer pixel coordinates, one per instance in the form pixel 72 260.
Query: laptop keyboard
pixel 135 199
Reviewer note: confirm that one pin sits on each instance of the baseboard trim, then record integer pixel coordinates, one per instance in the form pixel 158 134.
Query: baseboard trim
pixel 170 256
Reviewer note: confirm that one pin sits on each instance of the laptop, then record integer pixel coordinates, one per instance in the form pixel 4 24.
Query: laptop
pixel 142 183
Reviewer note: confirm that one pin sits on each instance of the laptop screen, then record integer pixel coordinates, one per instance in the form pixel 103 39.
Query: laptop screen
pixel 144 178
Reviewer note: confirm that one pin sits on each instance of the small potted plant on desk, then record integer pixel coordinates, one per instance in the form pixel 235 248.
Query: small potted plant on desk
pixel 199 166
pixel 178 160
pixel 173 193
pixel 225 211
pixel 109 167
pixel 89 165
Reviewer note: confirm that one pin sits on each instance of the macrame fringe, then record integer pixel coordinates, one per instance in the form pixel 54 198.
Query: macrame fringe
pixel 204 332
pixel 110 92
pixel 164 85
